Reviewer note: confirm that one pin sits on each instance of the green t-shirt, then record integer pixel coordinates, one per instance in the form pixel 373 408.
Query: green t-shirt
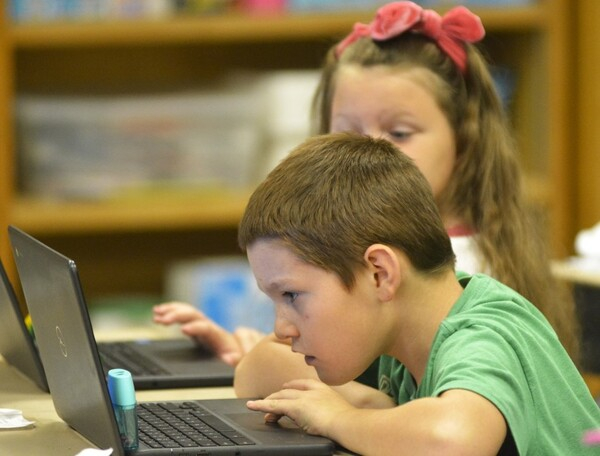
pixel 498 345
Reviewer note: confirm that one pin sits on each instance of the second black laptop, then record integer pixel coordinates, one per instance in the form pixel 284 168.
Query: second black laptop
pixel 153 363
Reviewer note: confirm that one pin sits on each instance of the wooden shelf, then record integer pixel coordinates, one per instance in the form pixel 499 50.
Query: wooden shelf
pixel 173 211
pixel 230 28
pixel 156 213
pixel 150 56
pixel 593 382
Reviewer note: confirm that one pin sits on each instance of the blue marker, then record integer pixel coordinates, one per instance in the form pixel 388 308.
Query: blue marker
pixel 122 396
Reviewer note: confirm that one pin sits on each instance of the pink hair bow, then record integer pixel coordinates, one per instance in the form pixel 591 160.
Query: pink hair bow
pixel 358 31
pixel 450 32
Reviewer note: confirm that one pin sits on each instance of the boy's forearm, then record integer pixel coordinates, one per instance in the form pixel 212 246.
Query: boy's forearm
pixel 363 396
pixel 384 432
pixel 265 368
pixel 423 426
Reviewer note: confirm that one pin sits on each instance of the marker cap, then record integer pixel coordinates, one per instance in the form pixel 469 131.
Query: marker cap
pixel 120 387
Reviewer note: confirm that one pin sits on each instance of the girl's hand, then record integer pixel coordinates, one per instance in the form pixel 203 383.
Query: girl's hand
pixel 176 312
pixel 230 347
pixel 311 404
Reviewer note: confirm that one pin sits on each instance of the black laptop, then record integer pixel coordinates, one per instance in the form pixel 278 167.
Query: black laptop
pixel 16 343
pixel 153 363
pixel 165 363
pixel 78 384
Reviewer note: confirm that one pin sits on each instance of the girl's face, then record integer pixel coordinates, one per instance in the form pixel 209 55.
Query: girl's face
pixel 397 105
pixel 338 331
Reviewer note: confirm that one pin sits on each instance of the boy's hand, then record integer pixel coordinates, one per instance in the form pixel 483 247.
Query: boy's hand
pixel 230 347
pixel 311 404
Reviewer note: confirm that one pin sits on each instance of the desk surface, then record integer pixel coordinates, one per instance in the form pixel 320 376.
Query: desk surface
pixel 581 271
pixel 50 435
pixel 577 271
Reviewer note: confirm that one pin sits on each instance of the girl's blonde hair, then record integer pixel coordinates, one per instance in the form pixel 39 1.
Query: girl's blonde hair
pixel 484 190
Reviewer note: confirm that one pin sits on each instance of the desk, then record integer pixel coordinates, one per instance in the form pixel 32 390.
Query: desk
pixel 575 273
pixel 50 435
pixel 580 273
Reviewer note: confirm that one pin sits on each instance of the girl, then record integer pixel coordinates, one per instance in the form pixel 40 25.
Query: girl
pixel 416 79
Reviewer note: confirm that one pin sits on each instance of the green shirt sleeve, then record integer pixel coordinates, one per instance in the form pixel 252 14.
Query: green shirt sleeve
pixel 490 368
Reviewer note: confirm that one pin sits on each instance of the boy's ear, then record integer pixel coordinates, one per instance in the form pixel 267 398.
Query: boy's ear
pixel 386 268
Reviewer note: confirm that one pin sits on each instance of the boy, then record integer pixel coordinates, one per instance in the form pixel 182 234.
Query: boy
pixel 344 236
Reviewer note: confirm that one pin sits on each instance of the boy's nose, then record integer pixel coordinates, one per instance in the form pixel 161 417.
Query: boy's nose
pixel 284 328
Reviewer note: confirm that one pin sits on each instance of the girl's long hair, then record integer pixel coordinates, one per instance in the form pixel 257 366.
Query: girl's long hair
pixel 485 189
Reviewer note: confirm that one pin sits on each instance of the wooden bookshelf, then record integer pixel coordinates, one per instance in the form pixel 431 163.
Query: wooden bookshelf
pixel 588 109
pixel 119 57
pixel 234 28
pixel 593 382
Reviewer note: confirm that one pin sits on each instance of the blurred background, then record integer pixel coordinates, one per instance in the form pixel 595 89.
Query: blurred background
pixel 132 133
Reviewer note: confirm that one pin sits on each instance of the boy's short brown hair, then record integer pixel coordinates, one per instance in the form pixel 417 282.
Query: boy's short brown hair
pixel 337 194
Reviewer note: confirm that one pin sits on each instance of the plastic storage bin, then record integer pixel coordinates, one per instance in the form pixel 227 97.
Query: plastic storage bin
pixel 99 147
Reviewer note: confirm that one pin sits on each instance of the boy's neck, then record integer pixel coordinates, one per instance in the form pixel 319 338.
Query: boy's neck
pixel 424 302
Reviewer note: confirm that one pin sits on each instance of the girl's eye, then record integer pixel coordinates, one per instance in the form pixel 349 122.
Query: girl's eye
pixel 290 296
pixel 399 134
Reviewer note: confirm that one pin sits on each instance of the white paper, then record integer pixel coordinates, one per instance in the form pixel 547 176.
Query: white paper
pixel 587 242
pixel 12 419
pixel 95 452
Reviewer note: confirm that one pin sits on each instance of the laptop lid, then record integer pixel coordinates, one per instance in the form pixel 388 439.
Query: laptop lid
pixel 16 342
pixel 65 340
pixel 79 392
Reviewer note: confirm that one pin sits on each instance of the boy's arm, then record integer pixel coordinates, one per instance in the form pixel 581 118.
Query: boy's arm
pixel 266 368
pixel 270 364
pixel 457 422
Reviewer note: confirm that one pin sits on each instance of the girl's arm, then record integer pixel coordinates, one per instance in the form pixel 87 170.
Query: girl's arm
pixel 230 347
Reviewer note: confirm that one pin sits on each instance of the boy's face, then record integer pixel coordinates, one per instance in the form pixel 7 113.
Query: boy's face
pixel 336 330
pixel 394 104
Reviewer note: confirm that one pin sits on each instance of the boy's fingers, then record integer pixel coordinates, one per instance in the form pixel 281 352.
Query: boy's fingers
pixel 272 417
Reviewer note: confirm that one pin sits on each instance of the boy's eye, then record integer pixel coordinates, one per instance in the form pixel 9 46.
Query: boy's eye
pixel 290 296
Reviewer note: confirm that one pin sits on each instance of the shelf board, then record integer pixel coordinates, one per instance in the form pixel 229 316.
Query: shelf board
pixel 230 28
pixel 173 212
pixel 160 212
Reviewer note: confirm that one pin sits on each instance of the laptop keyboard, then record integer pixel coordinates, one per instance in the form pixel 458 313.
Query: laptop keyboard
pixel 123 355
pixel 186 424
